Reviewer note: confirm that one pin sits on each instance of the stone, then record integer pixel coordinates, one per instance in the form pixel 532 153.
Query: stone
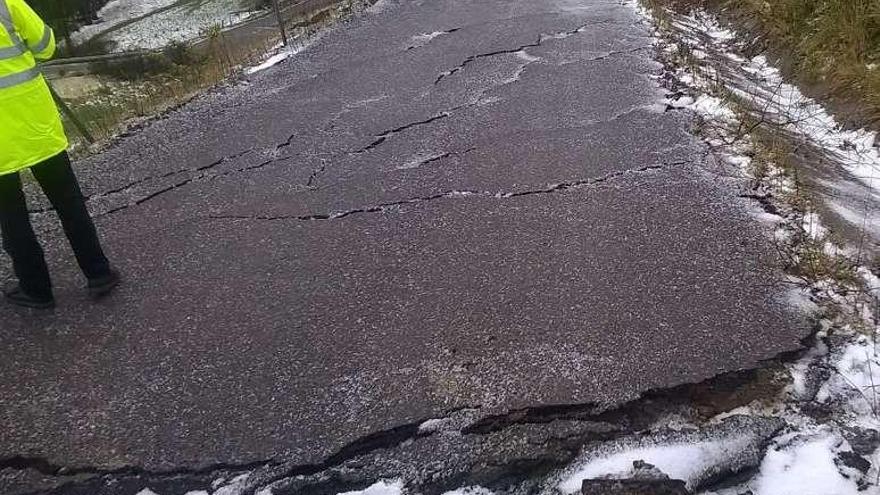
pixel 864 441
pixel 854 461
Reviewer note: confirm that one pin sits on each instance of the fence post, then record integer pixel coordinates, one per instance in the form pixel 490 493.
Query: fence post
pixel 280 19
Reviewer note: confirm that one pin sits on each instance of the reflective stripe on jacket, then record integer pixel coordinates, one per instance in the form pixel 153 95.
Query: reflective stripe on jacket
pixel 30 126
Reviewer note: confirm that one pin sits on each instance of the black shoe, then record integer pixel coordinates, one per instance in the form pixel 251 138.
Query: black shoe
pixel 100 287
pixel 19 297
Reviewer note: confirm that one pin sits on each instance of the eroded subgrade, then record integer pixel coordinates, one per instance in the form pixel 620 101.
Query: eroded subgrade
pixel 518 449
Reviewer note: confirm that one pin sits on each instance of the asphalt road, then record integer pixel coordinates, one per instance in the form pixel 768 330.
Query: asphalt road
pixel 387 227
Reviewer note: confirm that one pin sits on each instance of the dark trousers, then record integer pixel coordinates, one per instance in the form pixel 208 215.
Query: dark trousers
pixel 59 183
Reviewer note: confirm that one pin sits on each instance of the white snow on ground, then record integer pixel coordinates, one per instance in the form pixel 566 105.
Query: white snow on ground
pixel 383 487
pixel 296 46
pixel 187 21
pixel 182 23
pixel 805 468
pixel 855 379
pixel 682 461
pixel 146 491
pixel 271 61
pixel 117 12
pixel 804 460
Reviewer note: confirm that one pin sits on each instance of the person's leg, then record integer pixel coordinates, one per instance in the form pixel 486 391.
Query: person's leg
pixel 28 261
pixel 58 181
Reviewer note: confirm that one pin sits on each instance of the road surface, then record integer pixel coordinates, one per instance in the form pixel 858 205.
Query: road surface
pixel 438 205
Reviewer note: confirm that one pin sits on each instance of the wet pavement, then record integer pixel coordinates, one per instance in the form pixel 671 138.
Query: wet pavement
pixel 439 205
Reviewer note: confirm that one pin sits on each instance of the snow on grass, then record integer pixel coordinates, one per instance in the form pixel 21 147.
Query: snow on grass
pixel 855 149
pixel 855 379
pixel 804 465
pixel 185 22
pixel 116 12
pixel 384 487
pixel 756 80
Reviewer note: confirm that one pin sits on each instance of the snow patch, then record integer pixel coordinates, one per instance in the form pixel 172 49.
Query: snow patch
pixel 270 62
pixel 759 82
pixel 801 465
pixel 383 487
pixel 681 461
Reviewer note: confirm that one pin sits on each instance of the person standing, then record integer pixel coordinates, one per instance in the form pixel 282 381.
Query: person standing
pixel 32 137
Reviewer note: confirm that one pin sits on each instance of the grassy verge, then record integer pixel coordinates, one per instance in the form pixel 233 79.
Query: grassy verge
pixel 832 47
pixel 832 43
pixel 132 91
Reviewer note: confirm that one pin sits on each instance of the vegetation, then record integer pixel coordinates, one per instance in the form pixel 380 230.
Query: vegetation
pixel 834 44
pixel 139 87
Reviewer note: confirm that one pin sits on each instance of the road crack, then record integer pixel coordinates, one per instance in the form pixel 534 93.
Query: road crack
pixel 541 39
pixel 473 58
pixel 381 138
pixel 451 194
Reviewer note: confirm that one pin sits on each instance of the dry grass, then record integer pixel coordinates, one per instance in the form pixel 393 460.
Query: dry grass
pixel 831 43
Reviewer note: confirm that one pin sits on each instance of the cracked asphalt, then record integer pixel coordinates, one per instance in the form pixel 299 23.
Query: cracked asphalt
pixel 440 204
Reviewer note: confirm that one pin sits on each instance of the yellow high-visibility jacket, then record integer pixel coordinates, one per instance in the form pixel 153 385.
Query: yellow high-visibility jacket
pixel 30 126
